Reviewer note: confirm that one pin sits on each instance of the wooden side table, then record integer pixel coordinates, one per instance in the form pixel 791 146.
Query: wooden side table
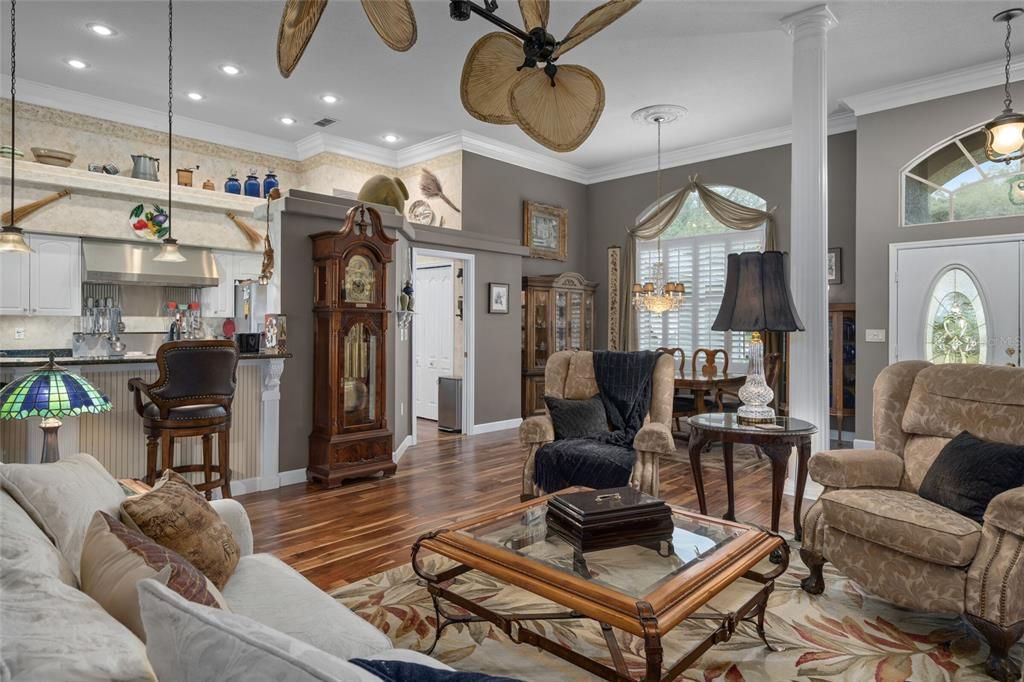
pixel 775 443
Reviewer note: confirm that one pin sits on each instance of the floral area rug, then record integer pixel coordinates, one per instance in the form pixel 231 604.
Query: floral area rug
pixel 843 634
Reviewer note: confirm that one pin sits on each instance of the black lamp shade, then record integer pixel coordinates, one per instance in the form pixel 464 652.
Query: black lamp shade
pixel 757 296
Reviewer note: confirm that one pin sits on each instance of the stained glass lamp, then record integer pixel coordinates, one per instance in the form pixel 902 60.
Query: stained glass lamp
pixel 50 392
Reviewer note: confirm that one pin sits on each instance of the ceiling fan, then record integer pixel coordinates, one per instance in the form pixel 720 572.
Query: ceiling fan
pixel 557 105
pixel 392 19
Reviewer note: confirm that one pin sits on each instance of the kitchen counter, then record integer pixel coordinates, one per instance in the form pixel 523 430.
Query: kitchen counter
pixel 37 361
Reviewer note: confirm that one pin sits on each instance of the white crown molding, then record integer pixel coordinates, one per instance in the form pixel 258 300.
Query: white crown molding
pixel 542 163
pixel 933 87
pixel 429 149
pixel 153 119
pixel 324 142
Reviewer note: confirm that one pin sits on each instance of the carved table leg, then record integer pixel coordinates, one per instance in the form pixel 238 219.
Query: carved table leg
pixel 652 641
pixel 730 488
pixel 697 440
pixel 803 455
pixel 778 453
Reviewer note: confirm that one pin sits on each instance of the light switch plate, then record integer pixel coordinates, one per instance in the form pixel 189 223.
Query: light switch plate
pixel 19 333
pixel 874 335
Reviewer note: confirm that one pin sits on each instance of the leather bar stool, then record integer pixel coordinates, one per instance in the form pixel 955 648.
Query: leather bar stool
pixel 191 397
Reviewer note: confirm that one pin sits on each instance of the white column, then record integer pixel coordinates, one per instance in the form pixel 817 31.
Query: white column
pixel 808 368
pixel 270 419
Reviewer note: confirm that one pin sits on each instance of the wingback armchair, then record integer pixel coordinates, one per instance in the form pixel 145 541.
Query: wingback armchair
pixel 874 527
pixel 570 375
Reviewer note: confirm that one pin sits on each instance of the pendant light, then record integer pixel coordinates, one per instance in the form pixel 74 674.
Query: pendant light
pixel 11 237
pixel 169 252
pixel 1004 135
pixel 658 296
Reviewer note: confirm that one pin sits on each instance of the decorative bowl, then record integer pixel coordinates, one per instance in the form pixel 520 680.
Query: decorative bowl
pixel 53 157
pixel 5 152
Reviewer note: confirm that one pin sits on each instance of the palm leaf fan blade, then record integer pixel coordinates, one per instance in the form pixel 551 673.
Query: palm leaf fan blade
pixel 560 117
pixel 298 22
pixel 592 22
pixel 487 75
pixel 394 22
pixel 535 13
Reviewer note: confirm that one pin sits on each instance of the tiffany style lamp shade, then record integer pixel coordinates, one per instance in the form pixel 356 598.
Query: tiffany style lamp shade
pixel 50 392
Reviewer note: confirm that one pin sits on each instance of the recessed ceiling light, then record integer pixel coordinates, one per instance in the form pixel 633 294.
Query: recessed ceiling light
pixel 195 96
pixel 330 99
pixel 102 30
pixel 76 63
pixel 287 120
pixel 230 69
pixel 391 138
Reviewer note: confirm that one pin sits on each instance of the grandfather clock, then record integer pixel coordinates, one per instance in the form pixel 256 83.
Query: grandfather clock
pixel 350 435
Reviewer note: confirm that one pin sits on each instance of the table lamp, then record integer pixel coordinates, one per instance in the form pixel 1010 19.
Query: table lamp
pixel 757 299
pixel 50 392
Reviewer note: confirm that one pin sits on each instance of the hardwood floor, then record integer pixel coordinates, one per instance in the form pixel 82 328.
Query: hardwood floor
pixel 338 536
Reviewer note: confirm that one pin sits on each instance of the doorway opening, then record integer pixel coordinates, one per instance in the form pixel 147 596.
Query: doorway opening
pixel 442 344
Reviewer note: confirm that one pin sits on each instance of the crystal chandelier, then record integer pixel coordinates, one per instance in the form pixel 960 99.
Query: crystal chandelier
pixel 658 296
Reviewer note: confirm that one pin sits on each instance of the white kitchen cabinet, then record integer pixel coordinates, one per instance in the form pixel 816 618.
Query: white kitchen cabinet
pixel 248 265
pixel 45 282
pixel 219 301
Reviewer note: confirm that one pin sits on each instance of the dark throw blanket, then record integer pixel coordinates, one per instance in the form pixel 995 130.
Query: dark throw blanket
pixel 403 671
pixel 603 460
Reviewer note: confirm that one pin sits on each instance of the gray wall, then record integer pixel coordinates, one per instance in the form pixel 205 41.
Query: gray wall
pixel 615 204
pixel 886 142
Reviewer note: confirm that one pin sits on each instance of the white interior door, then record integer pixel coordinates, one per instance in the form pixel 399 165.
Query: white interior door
pixel 434 329
pixel 959 303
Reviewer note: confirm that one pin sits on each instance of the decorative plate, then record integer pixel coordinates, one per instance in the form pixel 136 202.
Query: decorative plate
pixel 150 225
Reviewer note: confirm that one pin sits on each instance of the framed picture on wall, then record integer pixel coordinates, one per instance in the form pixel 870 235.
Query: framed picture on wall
pixel 835 266
pixel 545 230
pixel 497 298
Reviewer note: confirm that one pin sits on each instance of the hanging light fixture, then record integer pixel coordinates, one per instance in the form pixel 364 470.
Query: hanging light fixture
pixel 169 252
pixel 658 296
pixel 11 237
pixel 1004 135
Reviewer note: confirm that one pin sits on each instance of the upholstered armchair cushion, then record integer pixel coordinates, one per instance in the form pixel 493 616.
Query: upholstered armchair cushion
pixel 536 429
pixel 1006 511
pixel 856 469
pixel 904 522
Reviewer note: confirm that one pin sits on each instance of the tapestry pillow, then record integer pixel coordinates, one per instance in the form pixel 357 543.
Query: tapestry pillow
pixel 576 418
pixel 115 558
pixel 188 641
pixel 178 517
pixel 969 472
pixel 61 498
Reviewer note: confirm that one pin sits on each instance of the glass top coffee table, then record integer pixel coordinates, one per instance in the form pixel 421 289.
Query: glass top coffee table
pixel 645 589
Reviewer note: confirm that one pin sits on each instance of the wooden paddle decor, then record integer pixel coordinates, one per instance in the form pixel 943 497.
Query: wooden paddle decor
pixel 251 235
pixel 25 211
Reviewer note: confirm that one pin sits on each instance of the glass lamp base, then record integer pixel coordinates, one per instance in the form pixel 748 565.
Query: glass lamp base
pixel 755 392
pixel 755 414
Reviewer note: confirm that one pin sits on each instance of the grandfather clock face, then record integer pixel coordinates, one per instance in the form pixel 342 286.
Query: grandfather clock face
pixel 360 280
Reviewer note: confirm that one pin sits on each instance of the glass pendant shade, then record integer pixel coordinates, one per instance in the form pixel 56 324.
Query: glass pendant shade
pixel 169 252
pixel 13 241
pixel 1004 137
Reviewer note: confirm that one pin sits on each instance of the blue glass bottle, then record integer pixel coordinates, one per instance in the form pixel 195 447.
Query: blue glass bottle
pixel 269 182
pixel 252 184
pixel 233 186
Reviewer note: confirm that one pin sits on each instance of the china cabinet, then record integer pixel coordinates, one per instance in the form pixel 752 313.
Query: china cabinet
pixel 350 435
pixel 842 360
pixel 558 314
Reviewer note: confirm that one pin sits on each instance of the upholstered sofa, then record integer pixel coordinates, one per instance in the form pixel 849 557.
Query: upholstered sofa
pixel 50 630
pixel 874 527
pixel 570 375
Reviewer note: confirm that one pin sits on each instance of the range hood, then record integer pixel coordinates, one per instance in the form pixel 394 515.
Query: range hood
pixel 109 262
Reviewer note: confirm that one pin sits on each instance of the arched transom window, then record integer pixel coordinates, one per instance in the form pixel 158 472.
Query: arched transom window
pixel 694 248
pixel 955 326
pixel 956 182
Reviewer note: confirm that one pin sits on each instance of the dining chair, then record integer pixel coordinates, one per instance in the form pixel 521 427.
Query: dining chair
pixel 710 367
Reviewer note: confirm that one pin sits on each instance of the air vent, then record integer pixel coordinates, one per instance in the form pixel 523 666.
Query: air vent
pixel 324 122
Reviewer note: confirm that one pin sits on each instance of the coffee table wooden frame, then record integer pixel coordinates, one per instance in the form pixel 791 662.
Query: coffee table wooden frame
pixel 650 618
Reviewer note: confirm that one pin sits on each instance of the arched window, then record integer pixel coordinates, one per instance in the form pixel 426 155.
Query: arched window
pixel 955 326
pixel 694 248
pixel 956 182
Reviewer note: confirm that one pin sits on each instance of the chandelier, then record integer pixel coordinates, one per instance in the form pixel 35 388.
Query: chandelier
pixel 1004 135
pixel 658 296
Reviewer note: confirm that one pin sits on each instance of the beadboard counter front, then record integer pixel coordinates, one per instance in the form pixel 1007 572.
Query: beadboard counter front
pixel 116 438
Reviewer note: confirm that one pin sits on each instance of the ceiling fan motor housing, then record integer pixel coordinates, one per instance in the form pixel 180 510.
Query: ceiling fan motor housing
pixel 459 10
pixel 540 45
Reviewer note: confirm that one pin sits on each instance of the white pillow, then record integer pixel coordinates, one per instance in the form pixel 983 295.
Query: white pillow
pixel 62 497
pixel 189 642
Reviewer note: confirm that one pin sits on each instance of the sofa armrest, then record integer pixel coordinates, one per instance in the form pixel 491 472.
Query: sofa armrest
pixel 856 469
pixel 233 514
pixel 536 429
pixel 655 437
pixel 1006 511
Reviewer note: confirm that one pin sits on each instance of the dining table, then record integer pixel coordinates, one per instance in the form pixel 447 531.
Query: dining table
pixel 701 384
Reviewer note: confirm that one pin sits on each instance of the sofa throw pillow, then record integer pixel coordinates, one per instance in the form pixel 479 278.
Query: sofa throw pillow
pixel 61 498
pixel 189 641
pixel 115 558
pixel 178 517
pixel 969 472
pixel 576 418
pixel 405 671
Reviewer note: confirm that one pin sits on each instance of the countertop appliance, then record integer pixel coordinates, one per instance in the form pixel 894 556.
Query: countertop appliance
pixel 449 404
pixel 250 306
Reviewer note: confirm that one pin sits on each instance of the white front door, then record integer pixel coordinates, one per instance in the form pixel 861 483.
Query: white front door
pixel 959 302
pixel 434 328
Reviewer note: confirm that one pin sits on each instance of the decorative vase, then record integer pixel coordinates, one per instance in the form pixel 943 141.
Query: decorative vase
pixel 270 182
pixel 252 184
pixel 407 291
pixel 233 186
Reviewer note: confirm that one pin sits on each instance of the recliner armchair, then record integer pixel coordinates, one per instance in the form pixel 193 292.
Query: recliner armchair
pixel 874 527
pixel 570 375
